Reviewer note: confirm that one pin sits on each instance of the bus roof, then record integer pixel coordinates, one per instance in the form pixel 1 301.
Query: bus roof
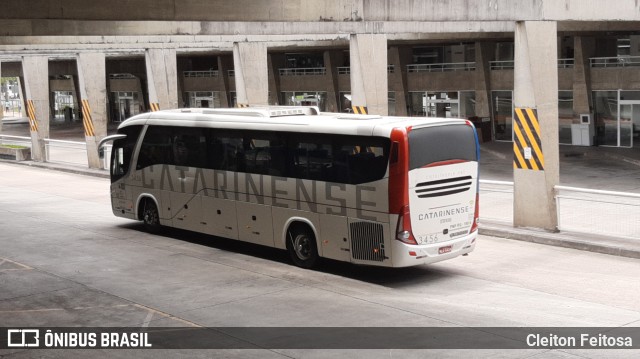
pixel 307 119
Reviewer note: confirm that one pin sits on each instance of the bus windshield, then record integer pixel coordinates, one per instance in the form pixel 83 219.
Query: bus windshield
pixel 122 152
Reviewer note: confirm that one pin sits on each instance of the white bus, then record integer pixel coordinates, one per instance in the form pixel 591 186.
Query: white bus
pixel 385 191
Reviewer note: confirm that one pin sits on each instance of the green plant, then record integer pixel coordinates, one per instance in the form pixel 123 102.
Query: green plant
pixel 17 147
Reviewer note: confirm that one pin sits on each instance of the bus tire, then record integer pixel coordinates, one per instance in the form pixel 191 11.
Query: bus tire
pixel 150 216
pixel 301 245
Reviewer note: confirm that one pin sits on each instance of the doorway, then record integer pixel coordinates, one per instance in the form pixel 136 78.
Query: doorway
pixel 125 105
pixel 629 124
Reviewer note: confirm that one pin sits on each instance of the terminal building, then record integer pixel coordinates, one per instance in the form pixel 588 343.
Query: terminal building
pixel 576 63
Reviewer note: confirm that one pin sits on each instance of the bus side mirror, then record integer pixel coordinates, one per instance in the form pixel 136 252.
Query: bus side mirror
pixel 119 136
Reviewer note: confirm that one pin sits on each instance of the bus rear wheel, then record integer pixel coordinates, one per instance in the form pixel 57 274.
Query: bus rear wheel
pixel 150 216
pixel 301 244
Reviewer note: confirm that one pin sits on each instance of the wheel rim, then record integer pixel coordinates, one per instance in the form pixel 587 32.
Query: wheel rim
pixel 150 216
pixel 302 247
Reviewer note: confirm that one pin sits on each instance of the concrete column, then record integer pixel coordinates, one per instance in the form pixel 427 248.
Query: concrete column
pixel 399 57
pixel 36 79
pixel 331 59
pixel 275 63
pixel 225 63
pixel 536 87
pixel 162 78
pixel 584 48
pixel 251 73
pixel 182 100
pixel 484 50
pixel 92 81
pixel 369 79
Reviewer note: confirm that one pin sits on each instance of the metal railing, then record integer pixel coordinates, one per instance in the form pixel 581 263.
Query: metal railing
pixel 599 212
pixel 618 61
pixel 496 201
pixel 302 71
pixel 510 64
pixel 443 67
pixel 566 63
pixel 343 70
pixel 121 76
pixel 579 210
pixel 210 73
pixel 346 70
pixel 15 140
pixel 70 152
pixel 501 65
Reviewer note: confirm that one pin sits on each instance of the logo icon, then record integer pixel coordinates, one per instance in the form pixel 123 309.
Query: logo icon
pixel 23 338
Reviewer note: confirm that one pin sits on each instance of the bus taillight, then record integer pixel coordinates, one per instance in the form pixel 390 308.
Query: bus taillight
pixel 403 229
pixel 476 215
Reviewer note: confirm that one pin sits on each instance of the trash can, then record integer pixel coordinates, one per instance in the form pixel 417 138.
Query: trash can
pixel 68 114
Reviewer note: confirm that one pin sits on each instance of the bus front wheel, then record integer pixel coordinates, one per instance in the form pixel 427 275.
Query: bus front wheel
pixel 301 244
pixel 150 216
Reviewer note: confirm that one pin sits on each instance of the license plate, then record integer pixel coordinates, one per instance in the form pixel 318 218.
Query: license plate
pixel 443 250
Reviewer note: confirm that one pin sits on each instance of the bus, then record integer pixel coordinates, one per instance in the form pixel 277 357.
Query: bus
pixel 373 190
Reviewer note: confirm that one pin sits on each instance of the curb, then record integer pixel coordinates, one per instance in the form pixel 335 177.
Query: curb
pixel 61 168
pixel 621 247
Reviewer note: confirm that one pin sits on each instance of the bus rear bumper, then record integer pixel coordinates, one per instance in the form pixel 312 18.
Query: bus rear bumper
pixel 406 255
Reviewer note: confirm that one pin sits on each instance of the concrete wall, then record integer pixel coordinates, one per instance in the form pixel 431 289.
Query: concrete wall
pixel 627 78
pixel 441 81
pixel 328 10
pixel 203 84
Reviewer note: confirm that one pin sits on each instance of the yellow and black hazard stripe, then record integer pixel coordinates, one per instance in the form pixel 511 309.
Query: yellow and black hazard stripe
pixel 527 146
pixel 360 110
pixel 31 112
pixel 154 106
pixel 89 130
pixel 242 105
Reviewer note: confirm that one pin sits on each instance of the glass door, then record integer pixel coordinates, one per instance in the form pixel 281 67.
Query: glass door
pixel 628 123
pixel 502 115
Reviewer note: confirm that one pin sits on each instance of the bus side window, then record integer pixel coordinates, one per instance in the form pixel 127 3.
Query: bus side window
pixel 264 154
pixel 156 147
pixel 313 159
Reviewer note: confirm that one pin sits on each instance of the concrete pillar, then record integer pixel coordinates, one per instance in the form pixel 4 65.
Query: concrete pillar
pixel 225 63
pixel 36 79
pixel 584 48
pixel 536 87
pixel 331 60
pixel 251 73
pixel 484 51
pixel 92 82
pixel 162 78
pixel 399 57
pixel 369 79
pixel 275 63
pixel 183 101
